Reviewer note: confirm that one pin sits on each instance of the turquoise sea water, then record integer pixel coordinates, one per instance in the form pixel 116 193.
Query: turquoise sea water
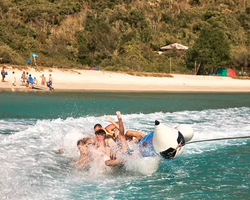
pixel 34 124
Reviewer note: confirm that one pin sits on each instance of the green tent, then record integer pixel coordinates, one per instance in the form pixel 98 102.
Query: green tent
pixel 225 72
pixel 221 72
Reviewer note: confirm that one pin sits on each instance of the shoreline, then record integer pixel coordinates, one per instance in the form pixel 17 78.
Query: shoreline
pixel 103 81
pixel 123 91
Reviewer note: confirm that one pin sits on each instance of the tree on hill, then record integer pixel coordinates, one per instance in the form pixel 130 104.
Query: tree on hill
pixel 211 50
pixel 124 34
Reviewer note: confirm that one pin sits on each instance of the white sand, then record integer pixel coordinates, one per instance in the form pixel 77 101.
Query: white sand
pixel 109 81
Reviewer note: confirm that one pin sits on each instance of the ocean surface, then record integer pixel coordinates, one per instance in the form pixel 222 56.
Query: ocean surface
pixel 34 124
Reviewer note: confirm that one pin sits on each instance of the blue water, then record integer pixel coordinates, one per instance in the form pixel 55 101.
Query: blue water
pixel 35 124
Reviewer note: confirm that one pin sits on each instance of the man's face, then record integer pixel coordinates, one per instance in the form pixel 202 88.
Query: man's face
pixel 100 138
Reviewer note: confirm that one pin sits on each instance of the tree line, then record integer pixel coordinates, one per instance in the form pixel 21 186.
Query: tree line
pixel 126 35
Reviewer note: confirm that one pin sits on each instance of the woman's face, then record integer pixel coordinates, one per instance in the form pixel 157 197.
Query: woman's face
pixel 79 147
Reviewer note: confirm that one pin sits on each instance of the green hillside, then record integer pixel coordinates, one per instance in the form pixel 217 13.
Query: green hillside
pixel 126 35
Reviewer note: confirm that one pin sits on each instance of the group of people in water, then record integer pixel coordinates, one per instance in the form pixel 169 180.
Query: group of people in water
pixel 111 144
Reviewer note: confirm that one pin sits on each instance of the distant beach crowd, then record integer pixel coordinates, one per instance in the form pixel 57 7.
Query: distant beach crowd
pixel 27 80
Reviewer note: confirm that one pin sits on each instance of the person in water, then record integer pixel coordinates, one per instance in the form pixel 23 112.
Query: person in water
pixel 124 149
pixel 92 151
pixel 108 148
pixel 113 144
pixel 112 130
pixel 131 135
pixel 95 140
pixel 111 138
pixel 83 145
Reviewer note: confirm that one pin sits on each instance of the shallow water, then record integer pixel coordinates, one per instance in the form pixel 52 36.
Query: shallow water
pixel 34 125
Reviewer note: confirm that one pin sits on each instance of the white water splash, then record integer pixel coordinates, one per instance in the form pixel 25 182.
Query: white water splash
pixel 30 168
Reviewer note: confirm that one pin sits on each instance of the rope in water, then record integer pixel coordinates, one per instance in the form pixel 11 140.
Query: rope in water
pixel 210 140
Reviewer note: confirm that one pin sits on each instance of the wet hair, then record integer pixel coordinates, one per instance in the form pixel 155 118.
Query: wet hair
pixel 100 132
pixel 98 125
pixel 83 141
pixel 79 142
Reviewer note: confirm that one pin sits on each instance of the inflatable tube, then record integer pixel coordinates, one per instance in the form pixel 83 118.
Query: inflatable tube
pixel 146 146
pixel 165 141
pixel 187 131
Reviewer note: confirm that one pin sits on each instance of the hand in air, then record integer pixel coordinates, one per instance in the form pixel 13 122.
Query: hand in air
pixel 108 119
pixel 118 113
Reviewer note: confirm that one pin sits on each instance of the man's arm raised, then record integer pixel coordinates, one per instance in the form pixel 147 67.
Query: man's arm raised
pixel 111 126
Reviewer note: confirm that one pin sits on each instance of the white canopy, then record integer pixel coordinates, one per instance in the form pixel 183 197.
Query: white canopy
pixel 174 46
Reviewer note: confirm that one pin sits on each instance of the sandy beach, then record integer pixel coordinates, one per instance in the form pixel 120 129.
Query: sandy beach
pixel 91 80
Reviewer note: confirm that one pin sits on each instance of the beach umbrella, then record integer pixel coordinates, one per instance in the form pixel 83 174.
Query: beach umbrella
pixel 34 57
pixel 171 47
pixel 174 46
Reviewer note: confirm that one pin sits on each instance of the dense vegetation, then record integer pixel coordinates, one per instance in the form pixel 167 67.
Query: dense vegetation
pixel 126 35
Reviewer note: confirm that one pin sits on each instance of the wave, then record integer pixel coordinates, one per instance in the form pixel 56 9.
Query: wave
pixel 27 146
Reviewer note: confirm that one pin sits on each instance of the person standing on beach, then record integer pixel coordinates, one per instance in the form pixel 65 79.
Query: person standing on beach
pixel 3 74
pixel 13 79
pixel 35 81
pixel 49 83
pixel 30 80
pixel 23 78
pixel 50 78
pixel 43 79
pixel 27 79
